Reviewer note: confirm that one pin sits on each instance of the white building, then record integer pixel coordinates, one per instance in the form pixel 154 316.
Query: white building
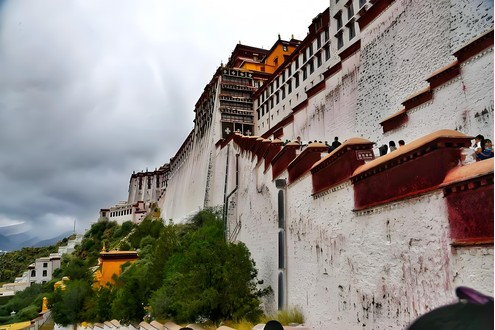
pixel 41 270
pixel 353 240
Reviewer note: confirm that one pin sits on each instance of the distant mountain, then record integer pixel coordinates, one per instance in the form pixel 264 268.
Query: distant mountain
pixel 5 243
pixel 52 241
pixel 18 241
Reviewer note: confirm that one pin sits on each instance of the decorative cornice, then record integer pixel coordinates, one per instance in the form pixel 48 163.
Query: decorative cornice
pixel 350 50
pixel 417 99
pixel 475 46
pixel 412 151
pixel 300 106
pixel 394 121
pixel 281 124
pixel 378 7
pixel 333 70
pixel 316 89
pixel 444 74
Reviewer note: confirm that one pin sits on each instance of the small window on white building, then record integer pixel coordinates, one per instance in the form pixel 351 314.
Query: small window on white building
pixel 338 19
pixel 45 273
pixel 340 41
pixel 350 10
pixel 352 30
pixel 45 264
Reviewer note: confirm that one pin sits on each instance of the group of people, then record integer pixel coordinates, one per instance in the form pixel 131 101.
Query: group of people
pixel 482 148
pixel 384 149
pixel 335 144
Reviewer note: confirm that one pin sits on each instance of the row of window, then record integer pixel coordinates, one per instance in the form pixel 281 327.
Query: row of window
pixel 140 183
pixel 44 274
pixel 286 89
pixel 351 24
pixel 120 213
pixel 305 56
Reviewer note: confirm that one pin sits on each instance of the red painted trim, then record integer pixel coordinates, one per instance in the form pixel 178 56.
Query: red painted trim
pixel 378 7
pixel 281 124
pixel 261 153
pixel 300 106
pixel 305 160
pixel 481 241
pixel 278 133
pixel 316 89
pixel 443 75
pixel 411 178
pixel 273 150
pixel 283 159
pixel 339 165
pixel 471 213
pixel 223 142
pixel 257 144
pixel 394 121
pixel 350 50
pixel 418 99
pixel 419 166
pixel 333 70
pixel 475 47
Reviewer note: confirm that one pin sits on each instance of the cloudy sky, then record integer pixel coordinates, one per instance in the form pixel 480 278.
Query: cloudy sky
pixel 91 90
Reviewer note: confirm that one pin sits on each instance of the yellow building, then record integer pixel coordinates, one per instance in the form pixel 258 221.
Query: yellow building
pixel 110 264
pixel 16 326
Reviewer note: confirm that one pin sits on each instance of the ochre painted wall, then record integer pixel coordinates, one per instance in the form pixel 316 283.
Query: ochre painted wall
pixel 111 264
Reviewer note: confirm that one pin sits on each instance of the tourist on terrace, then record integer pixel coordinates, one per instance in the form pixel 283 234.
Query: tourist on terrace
pixel 401 143
pixel 487 150
pixel 392 146
pixel 383 150
pixel 336 143
pixel 478 143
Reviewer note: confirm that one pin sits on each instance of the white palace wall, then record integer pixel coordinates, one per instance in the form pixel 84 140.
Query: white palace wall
pixel 380 268
pixel 383 266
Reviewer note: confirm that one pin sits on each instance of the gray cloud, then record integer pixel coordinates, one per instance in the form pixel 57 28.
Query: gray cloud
pixel 92 90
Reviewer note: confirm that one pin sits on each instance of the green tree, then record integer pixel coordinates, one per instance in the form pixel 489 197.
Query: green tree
pixel 208 278
pixel 132 291
pixel 68 306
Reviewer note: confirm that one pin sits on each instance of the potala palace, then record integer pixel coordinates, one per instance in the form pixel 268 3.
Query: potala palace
pixel 353 239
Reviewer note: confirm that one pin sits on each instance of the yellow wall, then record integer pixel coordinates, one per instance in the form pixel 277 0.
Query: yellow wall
pixel 111 267
pixel 277 53
pixel 270 65
pixel 15 326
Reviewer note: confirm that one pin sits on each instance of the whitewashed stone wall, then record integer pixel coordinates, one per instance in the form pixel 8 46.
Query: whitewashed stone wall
pixel 469 18
pixel 187 186
pixel 345 269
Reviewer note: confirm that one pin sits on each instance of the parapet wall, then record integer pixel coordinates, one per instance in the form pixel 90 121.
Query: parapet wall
pixel 355 256
pixel 352 239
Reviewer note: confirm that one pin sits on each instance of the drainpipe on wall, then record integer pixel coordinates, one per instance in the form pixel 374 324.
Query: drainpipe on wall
pixel 283 291
pixel 226 200
pixel 224 218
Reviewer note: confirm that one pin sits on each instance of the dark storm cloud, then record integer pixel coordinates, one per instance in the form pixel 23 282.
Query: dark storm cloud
pixel 92 90
pixel 84 98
